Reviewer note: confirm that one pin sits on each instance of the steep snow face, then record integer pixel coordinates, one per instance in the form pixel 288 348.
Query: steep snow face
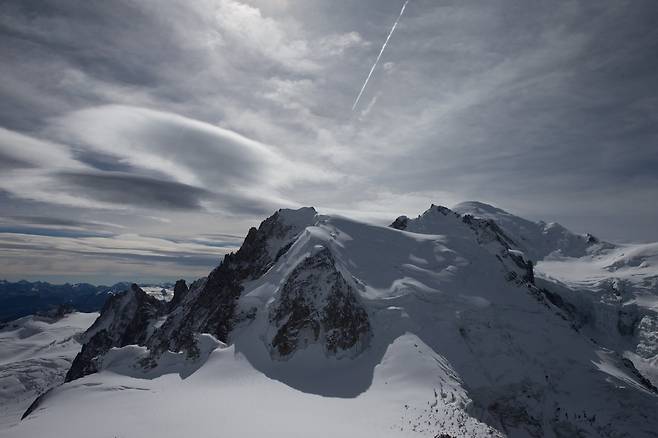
pixel 439 220
pixel 536 239
pixel 611 289
pixel 617 290
pixel 35 354
pixel 431 327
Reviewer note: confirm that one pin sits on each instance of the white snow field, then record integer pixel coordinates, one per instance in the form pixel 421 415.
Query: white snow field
pixel 159 292
pixel 35 354
pixel 459 345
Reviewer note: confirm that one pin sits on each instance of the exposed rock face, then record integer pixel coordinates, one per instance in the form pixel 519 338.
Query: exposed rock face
pixel 400 223
pixel 317 305
pixel 628 318
pixel 207 306
pixel 647 329
pixel 180 292
pixel 56 313
pixel 643 380
pixel 213 307
pixel 487 231
pixel 124 320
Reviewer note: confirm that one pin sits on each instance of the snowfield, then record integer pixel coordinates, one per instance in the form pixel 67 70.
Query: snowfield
pixel 35 353
pixel 435 325
pixel 229 397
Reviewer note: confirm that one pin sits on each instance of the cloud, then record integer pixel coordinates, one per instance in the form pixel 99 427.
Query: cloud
pixel 202 117
pixel 36 231
pixel 241 24
pixel 184 149
pixel 169 162
pixel 56 226
pixel 56 221
pixel 21 151
pixel 106 259
pixel 127 189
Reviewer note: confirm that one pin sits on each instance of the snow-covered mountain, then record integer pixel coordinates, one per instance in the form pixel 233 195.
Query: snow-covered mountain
pixel 610 290
pixel 35 354
pixel 463 322
pixel 23 298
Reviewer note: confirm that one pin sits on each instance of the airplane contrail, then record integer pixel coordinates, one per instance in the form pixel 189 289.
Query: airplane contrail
pixel 356 102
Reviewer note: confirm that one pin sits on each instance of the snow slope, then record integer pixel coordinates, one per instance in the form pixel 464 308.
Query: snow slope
pixel 228 397
pixel 536 239
pixel 35 353
pixel 342 328
pixel 613 287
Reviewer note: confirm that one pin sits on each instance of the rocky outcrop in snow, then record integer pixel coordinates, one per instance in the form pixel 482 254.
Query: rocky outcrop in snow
pixel 317 305
pixel 124 320
pixel 180 292
pixel 207 306
pixel 211 307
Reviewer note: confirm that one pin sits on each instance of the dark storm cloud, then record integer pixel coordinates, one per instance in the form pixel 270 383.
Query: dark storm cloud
pixel 140 191
pixel 102 161
pixel 146 192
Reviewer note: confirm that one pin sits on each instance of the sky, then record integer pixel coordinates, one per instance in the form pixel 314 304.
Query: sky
pixel 139 140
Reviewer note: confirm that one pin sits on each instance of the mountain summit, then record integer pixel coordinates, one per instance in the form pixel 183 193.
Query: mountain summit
pixel 460 322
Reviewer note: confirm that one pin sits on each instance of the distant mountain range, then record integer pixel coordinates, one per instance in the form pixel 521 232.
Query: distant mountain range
pixel 23 297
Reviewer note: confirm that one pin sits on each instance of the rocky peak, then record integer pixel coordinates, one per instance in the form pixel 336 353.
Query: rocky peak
pixel 180 292
pixel 265 244
pixel 400 223
pixel 591 239
pixel 440 209
pixel 124 320
pixel 317 305
pixel 212 310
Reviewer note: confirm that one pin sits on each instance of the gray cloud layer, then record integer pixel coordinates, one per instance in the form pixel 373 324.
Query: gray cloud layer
pixel 141 191
pixel 191 119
